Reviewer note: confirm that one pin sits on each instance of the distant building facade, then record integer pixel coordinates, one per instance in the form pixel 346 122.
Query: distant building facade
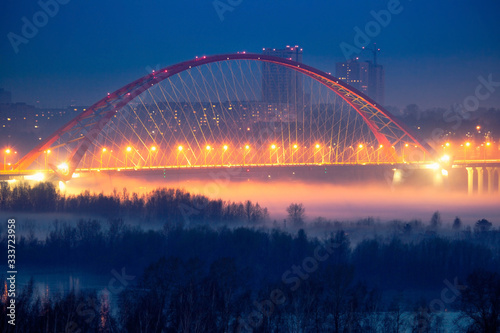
pixel 365 76
pixel 280 84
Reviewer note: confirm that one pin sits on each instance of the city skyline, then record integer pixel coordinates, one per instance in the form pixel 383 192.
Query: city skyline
pixel 445 54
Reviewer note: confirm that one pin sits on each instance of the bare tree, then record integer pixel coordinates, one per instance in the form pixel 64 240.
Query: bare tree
pixel 296 213
pixel 480 303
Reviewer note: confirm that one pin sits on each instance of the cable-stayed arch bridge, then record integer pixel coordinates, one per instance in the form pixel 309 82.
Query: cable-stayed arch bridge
pixel 228 110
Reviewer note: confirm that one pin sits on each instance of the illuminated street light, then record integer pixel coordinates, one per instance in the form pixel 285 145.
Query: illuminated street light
pixel 360 147
pixel 6 152
pixel 225 148
pixel 103 151
pixel 378 153
pixel 273 147
pixel 487 145
pixel 46 152
pixel 152 150
pixel 207 148
pixel 295 146
pixel 317 146
pixel 467 144
pixel 179 150
pixel 128 150
pixel 247 147
pixel 404 151
pixel 447 144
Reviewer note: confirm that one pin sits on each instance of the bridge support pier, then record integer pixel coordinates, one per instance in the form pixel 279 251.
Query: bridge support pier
pixel 470 180
pixel 480 180
pixel 498 173
pixel 491 174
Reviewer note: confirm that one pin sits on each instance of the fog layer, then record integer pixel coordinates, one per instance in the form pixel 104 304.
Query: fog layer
pixel 336 202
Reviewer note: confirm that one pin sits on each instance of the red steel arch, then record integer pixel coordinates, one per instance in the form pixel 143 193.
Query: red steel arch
pixel 379 120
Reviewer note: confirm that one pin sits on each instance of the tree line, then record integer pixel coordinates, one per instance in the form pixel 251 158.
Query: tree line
pixel 204 279
pixel 165 204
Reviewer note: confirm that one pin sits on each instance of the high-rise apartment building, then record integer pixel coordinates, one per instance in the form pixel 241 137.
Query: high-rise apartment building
pixel 280 84
pixel 365 76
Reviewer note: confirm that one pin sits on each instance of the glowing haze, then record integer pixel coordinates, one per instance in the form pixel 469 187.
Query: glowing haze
pixel 334 202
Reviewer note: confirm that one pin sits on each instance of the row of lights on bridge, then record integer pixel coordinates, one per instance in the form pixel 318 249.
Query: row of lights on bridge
pixel 226 147
pixel 180 148
pixel 208 147
pixel 273 146
pixel 467 144
pixel 62 167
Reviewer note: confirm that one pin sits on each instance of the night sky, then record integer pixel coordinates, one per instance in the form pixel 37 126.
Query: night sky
pixel 433 51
